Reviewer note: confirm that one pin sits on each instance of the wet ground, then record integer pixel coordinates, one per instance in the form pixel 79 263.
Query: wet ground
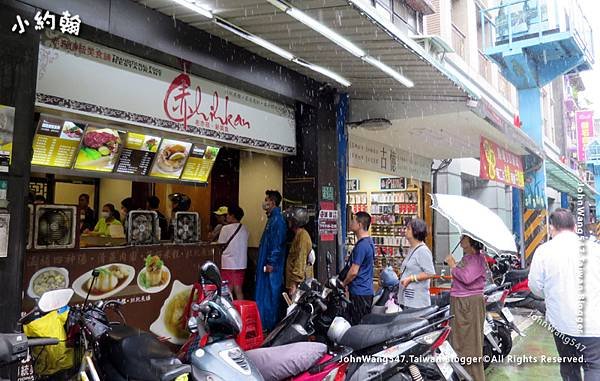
pixel 538 343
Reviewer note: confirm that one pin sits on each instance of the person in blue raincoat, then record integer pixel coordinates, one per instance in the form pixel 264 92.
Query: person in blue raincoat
pixel 270 268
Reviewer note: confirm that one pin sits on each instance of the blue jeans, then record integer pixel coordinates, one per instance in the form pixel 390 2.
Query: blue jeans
pixel 574 347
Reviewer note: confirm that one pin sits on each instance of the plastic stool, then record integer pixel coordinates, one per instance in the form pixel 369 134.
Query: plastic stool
pixel 251 335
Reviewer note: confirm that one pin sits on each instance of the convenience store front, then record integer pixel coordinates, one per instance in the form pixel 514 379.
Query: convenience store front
pixel 113 126
pixel 392 185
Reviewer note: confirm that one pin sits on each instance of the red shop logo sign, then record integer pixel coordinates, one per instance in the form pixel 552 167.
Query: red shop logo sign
pixel 181 104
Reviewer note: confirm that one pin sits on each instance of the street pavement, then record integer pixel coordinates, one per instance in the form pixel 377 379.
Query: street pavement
pixel 537 344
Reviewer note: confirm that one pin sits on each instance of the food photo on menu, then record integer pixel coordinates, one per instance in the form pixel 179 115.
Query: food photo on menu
pixel 99 149
pixel 171 158
pixel 112 279
pixel 172 311
pixel 155 276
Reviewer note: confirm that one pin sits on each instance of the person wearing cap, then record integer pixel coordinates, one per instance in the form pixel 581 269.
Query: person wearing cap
pixel 298 266
pixel 221 216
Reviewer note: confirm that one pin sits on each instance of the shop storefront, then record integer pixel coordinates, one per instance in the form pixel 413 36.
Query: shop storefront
pixel 392 185
pixel 114 126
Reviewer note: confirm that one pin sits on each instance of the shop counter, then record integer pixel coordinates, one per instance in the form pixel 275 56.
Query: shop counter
pixel 153 281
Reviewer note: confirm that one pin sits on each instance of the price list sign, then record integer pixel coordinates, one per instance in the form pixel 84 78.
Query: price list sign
pixel 55 142
pixel 138 154
pixel 200 163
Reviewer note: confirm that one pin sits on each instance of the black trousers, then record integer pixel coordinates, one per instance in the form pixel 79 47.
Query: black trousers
pixel 360 306
pixel 570 347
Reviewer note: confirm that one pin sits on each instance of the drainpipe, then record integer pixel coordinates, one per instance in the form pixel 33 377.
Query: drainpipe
pixel 342 141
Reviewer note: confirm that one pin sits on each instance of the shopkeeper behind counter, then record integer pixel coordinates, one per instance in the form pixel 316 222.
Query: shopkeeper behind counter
pixel 108 217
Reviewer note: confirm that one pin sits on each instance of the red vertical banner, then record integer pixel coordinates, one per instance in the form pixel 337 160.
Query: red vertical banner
pixel 585 131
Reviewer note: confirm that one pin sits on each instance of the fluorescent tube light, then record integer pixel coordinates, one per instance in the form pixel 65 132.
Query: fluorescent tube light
pixel 388 70
pixel 319 27
pixel 326 72
pixel 191 5
pixel 279 51
pixel 255 39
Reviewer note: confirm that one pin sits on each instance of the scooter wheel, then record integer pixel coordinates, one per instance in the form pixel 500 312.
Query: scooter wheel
pixel 504 340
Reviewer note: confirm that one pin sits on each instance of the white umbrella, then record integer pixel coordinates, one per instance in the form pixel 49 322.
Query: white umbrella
pixel 475 220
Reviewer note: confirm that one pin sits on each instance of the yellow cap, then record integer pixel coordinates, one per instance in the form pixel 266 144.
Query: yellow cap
pixel 221 211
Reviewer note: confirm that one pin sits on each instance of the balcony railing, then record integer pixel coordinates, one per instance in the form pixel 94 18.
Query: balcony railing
pixel 485 67
pixel 523 19
pixel 458 41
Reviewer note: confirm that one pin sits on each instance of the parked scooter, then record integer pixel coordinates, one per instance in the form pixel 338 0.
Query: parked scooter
pixel 14 347
pixel 216 356
pixel 117 352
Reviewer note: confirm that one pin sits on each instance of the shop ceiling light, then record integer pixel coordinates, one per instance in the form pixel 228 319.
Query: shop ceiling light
pixel 318 27
pixel 326 72
pixel 386 69
pixel 191 5
pixel 339 40
pixel 279 51
pixel 254 39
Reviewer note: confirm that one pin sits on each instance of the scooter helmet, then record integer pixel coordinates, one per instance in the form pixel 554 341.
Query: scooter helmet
pixel 338 328
pixel 388 277
pixel 181 202
pixel 298 216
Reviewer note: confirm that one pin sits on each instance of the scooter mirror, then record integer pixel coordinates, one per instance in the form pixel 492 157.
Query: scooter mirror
pixel 55 299
pixel 210 273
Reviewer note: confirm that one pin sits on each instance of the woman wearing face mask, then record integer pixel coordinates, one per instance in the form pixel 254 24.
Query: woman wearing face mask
pixel 107 218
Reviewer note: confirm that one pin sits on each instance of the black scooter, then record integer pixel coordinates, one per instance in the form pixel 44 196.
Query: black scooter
pixel 117 352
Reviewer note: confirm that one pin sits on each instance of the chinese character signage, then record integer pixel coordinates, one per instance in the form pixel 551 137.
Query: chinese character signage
pixel 500 165
pixel 585 131
pixel 56 141
pixel 374 156
pixel 327 221
pixel 137 154
pixel 392 183
pixel 200 163
pixel 352 185
pixel 154 96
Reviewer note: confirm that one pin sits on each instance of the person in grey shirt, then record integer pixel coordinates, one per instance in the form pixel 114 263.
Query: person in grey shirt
pixel 417 268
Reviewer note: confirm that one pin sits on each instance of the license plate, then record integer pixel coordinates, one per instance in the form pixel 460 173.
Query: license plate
pixel 508 315
pixel 447 354
pixel 487 328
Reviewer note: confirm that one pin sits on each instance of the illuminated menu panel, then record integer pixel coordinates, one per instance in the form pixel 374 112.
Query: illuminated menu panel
pixel 137 154
pixel 55 142
pixel 170 159
pixel 99 149
pixel 200 163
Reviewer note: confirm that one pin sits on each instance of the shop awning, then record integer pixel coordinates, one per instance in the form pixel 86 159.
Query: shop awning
pixel 432 81
pixel 561 178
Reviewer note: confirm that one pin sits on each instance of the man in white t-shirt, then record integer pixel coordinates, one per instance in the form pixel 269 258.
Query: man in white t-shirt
pixel 235 256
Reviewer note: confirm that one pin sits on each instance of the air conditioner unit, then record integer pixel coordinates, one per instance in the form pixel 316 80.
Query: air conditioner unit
pixel 142 227
pixel 29 227
pixel 55 227
pixel 187 227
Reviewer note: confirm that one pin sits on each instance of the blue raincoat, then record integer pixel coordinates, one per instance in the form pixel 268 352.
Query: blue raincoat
pixel 272 252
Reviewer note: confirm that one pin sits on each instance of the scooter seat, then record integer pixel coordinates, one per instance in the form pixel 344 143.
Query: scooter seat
pixel 139 355
pixel 515 276
pixel 365 335
pixel 377 318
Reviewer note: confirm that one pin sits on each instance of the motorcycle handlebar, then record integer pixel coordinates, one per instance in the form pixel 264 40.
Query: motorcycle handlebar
pixel 42 341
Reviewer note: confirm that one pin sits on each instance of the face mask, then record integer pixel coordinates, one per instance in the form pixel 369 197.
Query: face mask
pixel 265 205
pixel 105 215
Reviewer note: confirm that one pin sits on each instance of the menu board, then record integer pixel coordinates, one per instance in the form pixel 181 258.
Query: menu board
pixel 200 163
pixel 171 158
pixel 55 142
pixel 7 122
pixel 137 154
pixel 99 149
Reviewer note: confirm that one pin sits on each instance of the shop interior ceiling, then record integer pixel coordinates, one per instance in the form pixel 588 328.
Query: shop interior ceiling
pixel 266 21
